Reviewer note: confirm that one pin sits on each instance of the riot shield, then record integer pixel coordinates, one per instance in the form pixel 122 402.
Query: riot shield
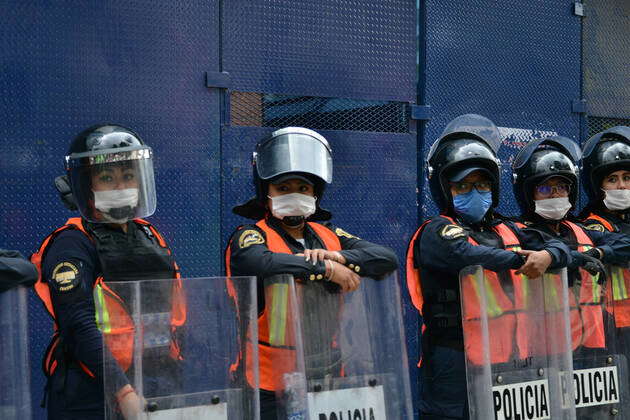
pixel 184 345
pixel 517 345
pixel 15 401
pixel 600 352
pixel 350 356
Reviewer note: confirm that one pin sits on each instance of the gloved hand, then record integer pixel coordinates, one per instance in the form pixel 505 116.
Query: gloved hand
pixel 593 266
pixel 594 252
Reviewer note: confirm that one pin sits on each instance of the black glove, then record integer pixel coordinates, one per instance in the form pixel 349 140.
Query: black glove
pixel 593 252
pixel 593 265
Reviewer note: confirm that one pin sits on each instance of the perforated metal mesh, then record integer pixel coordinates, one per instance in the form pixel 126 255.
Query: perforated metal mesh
pixel 597 124
pixel 269 110
pixel 336 48
pixel 605 63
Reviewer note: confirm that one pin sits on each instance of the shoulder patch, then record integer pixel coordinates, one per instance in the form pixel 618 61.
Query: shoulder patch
pixel 250 237
pixel 450 232
pixel 341 232
pixel 65 276
pixel 595 226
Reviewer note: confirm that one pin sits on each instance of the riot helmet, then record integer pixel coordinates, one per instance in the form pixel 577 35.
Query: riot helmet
pixel 606 152
pixel 468 143
pixel 290 152
pixel 110 171
pixel 540 160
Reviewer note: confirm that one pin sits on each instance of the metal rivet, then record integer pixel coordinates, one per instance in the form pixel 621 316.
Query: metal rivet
pixel 152 406
pixel 215 399
pixel 372 382
pixel 614 411
pixel 499 379
pixel 541 372
pixel 609 360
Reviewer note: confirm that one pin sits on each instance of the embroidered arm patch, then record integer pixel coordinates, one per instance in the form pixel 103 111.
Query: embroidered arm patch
pixel 65 277
pixel 250 237
pixel 341 232
pixel 595 226
pixel 450 232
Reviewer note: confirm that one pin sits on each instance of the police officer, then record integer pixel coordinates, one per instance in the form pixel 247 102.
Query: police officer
pixel 546 188
pixel 293 236
pixel 110 181
pixel 463 171
pixel 15 270
pixel 606 178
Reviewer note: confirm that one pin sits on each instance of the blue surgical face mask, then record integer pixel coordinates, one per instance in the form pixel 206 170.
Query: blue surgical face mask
pixel 473 205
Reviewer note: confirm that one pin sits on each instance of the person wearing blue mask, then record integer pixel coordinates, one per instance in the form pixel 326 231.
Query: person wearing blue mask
pixel 463 171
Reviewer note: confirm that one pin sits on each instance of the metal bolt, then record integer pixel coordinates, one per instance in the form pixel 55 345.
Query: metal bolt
pixel 372 382
pixel 614 411
pixel 215 399
pixel 499 379
pixel 541 372
pixel 609 360
pixel 152 406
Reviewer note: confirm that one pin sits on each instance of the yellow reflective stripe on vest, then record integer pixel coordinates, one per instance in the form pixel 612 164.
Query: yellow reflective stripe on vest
pixel 618 284
pixel 102 315
pixel 278 316
pixel 597 288
pixel 493 308
pixel 552 300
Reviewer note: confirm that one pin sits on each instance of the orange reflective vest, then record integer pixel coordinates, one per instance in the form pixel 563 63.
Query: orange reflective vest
pixel 111 314
pixel 587 324
pixel 276 338
pixel 503 313
pixel 619 286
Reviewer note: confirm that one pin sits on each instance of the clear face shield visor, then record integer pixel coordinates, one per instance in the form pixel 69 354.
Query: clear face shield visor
pixel 113 185
pixel 294 152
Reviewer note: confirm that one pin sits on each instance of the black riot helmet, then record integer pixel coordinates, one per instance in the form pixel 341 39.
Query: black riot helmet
pixel 110 172
pixel 290 152
pixel 541 159
pixel 468 143
pixel 607 151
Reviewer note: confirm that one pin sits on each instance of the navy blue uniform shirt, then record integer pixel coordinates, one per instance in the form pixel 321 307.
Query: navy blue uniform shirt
pixel 15 270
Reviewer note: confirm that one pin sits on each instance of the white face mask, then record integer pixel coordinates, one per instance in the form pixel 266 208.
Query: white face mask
pixel 617 199
pixel 116 206
pixel 553 208
pixel 294 204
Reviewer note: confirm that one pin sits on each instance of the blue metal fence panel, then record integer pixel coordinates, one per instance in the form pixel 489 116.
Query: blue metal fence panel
pixel 362 49
pixel 331 49
pixel 606 49
pixel 141 64
pixel 516 63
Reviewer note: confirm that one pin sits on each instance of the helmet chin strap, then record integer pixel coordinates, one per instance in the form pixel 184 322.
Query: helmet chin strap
pixel 293 222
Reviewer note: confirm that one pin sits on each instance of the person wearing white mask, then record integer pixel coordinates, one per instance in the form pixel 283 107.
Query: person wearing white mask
pixel 110 181
pixel 606 178
pixel 291 169
pixel 546 175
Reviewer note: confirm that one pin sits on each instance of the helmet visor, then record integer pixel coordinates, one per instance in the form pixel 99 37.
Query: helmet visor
pixel 294 152
pixel 621 132
pixel 477 126
pixel 566 145
pixel 113 187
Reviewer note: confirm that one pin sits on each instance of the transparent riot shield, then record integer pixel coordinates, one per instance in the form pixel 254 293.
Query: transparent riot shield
pixel 184 346
pixel 517 345
pixel 350 356
pixel 600 352
pixel 15 401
